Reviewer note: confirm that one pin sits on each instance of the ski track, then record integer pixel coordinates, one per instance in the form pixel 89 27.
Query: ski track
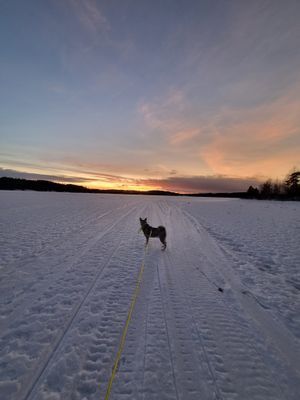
pixel 262 241
pixel 64 303
pixel 27 288
pixel 77 310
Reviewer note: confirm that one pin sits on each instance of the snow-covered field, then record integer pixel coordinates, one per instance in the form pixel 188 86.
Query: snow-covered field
pixel 68 269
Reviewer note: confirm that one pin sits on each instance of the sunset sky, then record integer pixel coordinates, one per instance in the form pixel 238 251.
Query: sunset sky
pixel 189 96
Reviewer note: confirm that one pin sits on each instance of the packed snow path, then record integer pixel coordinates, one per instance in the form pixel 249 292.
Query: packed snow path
pixel 69 265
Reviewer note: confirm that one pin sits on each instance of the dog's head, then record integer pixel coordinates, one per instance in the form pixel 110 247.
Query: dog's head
pixel 143 222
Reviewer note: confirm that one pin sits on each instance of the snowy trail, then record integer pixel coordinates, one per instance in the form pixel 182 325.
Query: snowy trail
pixel 64 309
pixel 270 326
pixel 214 350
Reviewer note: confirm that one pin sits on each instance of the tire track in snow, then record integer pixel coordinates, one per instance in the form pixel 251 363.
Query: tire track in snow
pixel 172 367
pixel 41 315
pixel 193 373
pixel 168 334
pixel 211 389
pixel 237 350
pixel 78 307
pixel 271 328
pixel 41 283
pixel 53 243
pixel 157 380
pixel 146 371
pixel 95 332
pixel 145 350
pixel 208 371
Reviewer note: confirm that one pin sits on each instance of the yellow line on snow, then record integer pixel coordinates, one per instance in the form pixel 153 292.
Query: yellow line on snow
pixel 123 338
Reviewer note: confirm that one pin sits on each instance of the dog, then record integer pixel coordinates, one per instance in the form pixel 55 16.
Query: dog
pixel 149 231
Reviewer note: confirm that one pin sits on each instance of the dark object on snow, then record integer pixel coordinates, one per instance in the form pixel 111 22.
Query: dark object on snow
pixel 149 231
pixel 220 289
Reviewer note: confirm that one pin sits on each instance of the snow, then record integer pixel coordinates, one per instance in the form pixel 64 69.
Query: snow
pixel 68 269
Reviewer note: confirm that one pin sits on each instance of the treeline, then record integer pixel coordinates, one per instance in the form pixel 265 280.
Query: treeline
pixel 231 195
pixel 39 185
pixel 7 183
pixel 289 189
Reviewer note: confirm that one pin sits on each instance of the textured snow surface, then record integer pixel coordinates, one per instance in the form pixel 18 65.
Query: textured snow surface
pixel 68 270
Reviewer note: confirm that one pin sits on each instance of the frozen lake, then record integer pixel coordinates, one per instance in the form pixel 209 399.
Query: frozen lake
pixel 68 269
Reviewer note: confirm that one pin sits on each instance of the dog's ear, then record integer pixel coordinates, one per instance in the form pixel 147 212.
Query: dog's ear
pixel 145 219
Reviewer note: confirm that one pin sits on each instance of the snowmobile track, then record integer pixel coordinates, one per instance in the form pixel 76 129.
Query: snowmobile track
pixel 80 304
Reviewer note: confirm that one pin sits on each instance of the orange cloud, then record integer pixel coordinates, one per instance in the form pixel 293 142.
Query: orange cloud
pixel 184 136
pixel 261 141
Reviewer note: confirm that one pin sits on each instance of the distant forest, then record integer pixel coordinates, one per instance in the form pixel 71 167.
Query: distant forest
pixel 289 189
pixel 48 186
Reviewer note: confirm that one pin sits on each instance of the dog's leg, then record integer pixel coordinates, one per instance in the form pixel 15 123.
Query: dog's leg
pixel 164 243
pixel 162 238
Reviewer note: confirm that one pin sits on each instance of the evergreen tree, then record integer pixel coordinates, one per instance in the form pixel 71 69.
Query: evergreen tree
pixel 252 193
pixel 266 190
pixel 293 184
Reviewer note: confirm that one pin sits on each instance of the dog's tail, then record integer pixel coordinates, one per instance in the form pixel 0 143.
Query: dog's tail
pixel 162 236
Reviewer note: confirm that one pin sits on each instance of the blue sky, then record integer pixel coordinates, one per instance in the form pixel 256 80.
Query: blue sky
pixel 180 95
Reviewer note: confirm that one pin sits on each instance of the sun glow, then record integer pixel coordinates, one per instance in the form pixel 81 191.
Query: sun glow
pixel 102 185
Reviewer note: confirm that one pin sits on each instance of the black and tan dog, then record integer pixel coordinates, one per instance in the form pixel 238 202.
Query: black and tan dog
pixel 149 231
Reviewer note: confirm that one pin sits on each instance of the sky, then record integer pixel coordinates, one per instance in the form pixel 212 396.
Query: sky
pixel 188 96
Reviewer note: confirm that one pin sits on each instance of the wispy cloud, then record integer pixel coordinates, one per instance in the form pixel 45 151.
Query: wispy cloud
pixel 57 89
pixel 160 114
pixel 86 177
pixel 10 173
pixel 183 136
pixel 167 115
pixel 90 15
